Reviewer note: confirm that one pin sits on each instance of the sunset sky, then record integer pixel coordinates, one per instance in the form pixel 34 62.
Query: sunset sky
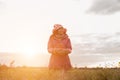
pixel 25 26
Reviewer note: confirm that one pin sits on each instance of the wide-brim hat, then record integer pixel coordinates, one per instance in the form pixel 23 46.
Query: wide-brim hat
pixel 57 27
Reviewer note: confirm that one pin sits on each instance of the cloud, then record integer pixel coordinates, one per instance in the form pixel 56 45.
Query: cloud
pixel 97 43
pixel 2 4
pixel 95 48
pixel 105 6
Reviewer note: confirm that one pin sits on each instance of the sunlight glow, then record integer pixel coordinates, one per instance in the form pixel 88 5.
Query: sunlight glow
pixel 29 52
pixel 28 47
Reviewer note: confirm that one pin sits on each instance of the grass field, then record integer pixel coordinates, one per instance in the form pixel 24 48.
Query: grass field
pixel 73 74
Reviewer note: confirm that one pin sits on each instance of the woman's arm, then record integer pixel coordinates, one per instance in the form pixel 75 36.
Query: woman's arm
pixel 69 47
pixel 67 50
pixel 50 47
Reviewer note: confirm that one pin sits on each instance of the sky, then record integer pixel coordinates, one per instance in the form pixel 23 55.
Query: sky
pixel 25 26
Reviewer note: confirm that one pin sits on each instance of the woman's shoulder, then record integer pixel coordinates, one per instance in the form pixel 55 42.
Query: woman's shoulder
pixel 51 37
pixel 67 37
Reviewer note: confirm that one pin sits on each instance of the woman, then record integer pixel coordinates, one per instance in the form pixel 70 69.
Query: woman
pixel 59 46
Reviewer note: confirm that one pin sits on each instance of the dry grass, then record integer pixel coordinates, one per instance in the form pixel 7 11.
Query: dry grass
pixel 73 74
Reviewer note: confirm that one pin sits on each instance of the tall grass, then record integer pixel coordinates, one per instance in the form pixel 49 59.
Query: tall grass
pixel 73 74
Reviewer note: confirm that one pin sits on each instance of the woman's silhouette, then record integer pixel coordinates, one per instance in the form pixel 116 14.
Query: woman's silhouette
pixel 59 45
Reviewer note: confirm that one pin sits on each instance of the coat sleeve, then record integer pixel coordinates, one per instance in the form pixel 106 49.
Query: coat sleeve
pixel 50 46
pixel 68 47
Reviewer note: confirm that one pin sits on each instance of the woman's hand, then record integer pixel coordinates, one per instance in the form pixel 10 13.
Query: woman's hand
pixel 61 51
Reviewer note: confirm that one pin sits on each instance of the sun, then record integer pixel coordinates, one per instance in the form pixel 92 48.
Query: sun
pixel 31 46
pixel 29 50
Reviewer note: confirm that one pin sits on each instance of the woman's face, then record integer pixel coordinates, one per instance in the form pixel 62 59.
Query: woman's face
pixel 61 31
